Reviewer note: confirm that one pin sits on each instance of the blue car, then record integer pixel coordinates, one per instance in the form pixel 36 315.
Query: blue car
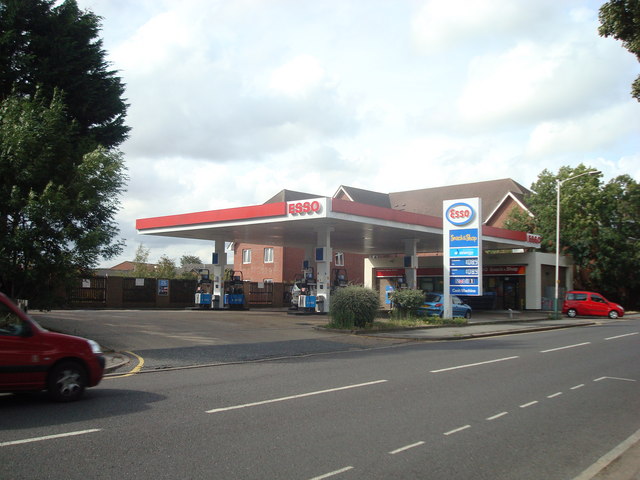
pixel 434 306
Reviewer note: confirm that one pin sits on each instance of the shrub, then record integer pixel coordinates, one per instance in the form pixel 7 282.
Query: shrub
pixel 406 302
pixel 353 306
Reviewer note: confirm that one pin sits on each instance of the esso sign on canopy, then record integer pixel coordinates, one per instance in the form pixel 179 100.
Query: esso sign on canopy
pixel 310 207
pixel 460 214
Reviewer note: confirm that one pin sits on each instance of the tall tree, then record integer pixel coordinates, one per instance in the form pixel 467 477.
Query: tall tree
pixel 166 268
pixel 186 260
pixel 620 19
pixel 49 47
pixel 56 217
pixel 599 228
pixel 61 118
pixel 142 268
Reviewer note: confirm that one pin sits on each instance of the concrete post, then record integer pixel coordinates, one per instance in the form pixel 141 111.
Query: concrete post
pixel 411 262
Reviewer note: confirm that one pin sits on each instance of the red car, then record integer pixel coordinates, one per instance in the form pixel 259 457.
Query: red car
pixel 590 303
pixel 32 358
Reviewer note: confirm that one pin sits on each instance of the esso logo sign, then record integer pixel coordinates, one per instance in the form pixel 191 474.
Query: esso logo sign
pixel 304 208
pixel 460 214
pixel 531 238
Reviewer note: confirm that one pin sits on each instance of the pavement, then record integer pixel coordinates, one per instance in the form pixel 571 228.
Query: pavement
pixel 622 463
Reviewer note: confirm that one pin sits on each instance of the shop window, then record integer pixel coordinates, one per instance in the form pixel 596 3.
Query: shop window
pixel 246 255
pixel 338 259
pixel 268 255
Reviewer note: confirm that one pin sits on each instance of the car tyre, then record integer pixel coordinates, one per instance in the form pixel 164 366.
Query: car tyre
pixel 67 381
pixel 467 315
pixel 571 313
pixel 613 314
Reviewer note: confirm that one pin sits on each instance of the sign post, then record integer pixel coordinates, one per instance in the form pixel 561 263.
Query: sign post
pixel 462 234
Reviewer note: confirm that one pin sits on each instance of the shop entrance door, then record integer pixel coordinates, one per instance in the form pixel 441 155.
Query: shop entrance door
pixel 510 290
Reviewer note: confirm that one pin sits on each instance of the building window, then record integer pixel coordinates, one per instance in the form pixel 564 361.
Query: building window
pixel 246 255
pixel 268 255
pixel 339 259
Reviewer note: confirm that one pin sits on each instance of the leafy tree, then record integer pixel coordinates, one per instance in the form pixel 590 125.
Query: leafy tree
pixel 56 215
pixel 166 268
pixel 61 117
pixel 620 19
pixel 49 47
pixel 142 268
pixel 190 260
pixel 187 262
pixel 598 227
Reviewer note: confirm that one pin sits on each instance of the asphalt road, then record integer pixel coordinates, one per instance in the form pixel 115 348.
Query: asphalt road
pixel 544 405
pixel 180 338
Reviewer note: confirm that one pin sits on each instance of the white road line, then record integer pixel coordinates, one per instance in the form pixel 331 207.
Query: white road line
pixel 495 417
pixel 577 386
pixel 331 474
pixel 564 348
pixel 402 449
pixel 615 378
pixel 451 432
pixel 606 459
pixel 554 395
pixel 49 437
pixel 621 336
pixel 473 364
pixel 529 404
pixel 293 397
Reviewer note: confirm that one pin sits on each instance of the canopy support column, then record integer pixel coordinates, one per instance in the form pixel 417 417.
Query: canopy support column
pixel 411 262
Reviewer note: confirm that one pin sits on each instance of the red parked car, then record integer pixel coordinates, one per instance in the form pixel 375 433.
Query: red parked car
pixel 32 358
pixel 590 303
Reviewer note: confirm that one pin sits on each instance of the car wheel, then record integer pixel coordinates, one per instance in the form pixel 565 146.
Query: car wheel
pixel 467 315
pixel 571 313
pixel 67 381
pixel 613 314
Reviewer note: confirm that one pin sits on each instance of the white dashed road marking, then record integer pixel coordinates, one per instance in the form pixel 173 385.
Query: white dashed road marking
pixel 293 397
pixel 564 348
pixel 49 437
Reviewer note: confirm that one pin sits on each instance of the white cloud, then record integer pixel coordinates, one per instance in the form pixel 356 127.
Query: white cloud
pixel 442 25
pixel 298 76
pixel 594 132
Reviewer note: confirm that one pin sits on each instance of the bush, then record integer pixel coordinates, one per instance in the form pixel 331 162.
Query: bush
pixel 406 302
pixel 353 306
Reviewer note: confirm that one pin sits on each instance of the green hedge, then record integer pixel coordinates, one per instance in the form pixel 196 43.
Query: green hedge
pixel 353 306
pixel 406 302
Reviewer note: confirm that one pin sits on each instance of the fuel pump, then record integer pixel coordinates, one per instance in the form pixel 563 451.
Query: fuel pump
pixel 234 291
pixel 308 290
pixel 339 278
pixel 204 289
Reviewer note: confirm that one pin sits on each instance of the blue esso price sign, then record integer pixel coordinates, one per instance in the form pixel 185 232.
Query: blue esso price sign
pixel 462 231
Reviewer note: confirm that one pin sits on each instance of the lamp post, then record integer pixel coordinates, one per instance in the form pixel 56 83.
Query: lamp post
pixel 559 183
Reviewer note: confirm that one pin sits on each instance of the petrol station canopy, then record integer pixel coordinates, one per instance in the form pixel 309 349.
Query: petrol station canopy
pixel 354 227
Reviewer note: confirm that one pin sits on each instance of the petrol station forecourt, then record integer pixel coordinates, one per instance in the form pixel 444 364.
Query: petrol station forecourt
pixel 405 243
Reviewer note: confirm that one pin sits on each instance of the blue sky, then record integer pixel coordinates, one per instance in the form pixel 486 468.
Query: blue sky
pixel 233 101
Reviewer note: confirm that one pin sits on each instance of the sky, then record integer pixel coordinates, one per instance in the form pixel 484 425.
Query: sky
pixel 233 101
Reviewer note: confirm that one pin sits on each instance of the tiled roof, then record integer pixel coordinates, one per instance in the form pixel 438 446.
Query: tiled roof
pixel 367 197
pixel 290 196
pixel 428 201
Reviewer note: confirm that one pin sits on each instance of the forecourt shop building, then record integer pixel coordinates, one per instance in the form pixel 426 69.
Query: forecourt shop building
pixel 398 247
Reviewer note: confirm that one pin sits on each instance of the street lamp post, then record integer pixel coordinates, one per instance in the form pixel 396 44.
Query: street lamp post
pixel 559 183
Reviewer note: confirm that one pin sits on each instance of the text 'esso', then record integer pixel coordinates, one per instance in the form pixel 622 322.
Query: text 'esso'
pixel 300 208
pixel 460 214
